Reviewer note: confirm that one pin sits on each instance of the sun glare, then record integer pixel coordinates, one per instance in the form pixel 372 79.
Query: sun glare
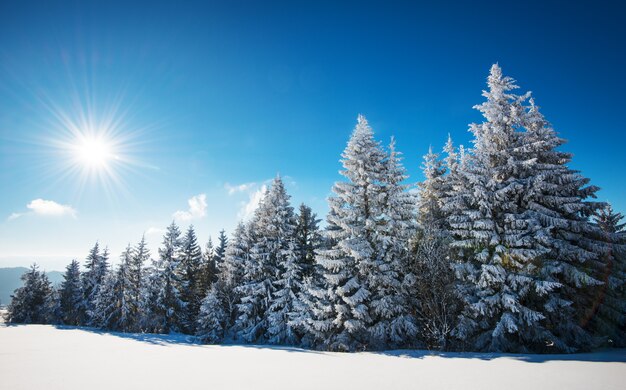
pixel 94 152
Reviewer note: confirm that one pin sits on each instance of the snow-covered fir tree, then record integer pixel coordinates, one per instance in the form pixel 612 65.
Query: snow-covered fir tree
pixel 220 250
pixel 504 231
pixel 431 283
pixel 102 310
pixel 212 317
pixel 231 272
pixel 498 241
pixel 170 306
pixel 385 271
pixel 71 298
pixel 114 303
pixel 137 274
pixel 208 269
pixel 432 191
pixel 282 232
pixel 96 265
pixel 164 308
pixel 190 279
pixel 557 200
pixel 31 303
pixel 609 320
pixel 151 318
pixel 361 302
pixel 343 324
pixel 308 238
pixel 261 316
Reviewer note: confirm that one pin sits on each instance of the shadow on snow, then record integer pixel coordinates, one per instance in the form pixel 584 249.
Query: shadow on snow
pixel 605 355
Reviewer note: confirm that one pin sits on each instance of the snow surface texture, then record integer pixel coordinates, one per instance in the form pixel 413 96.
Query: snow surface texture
pixel 46 357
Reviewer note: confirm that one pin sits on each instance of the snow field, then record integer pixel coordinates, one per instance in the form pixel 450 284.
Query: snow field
pixel 44 357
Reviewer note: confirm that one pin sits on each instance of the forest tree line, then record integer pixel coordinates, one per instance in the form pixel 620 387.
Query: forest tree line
pixel 502 247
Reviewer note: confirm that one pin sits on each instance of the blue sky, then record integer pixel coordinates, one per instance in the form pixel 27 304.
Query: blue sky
pixel 205 102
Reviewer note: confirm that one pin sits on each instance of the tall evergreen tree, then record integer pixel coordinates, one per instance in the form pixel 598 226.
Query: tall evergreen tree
pixel 220 250
pixel 212 318
pixel 122 304
pixel 432 191
pixel 499 242
pixel 169 307
pixel 284 304
pixel 140 256
pixel 31 303
pixel 96 269
pixel 163 310
pixel 385 271
pixel 208 269
pixel 361 266
pixel 71 298
pixel 190 279
pixel 557 200
pixel 263 315
pixel 609 319
pixel 432 279
pixel 231 272
pixel 308 238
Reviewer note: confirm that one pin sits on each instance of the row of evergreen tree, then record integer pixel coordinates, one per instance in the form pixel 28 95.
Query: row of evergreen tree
pixel 500 249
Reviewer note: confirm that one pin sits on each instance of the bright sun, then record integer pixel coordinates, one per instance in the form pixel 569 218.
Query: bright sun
pixel 93 152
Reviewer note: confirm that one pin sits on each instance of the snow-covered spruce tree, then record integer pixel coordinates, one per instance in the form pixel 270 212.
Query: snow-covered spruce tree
pixel 231 272
pixel 432 279
pixel 114 302
pixel 208 269
pixel 163 307
pixel 220 250
pixel 609 321
pixel 212 317
pixel 284 305
pixel 386 271
pixel 272 266
pixel 256 287
pixel 557 200
pixel 151 318
pixel 497 240
pixel 31 303
pixel 190 282
pixel 71 298
pixel 308 241
pixel 308 238
pixel 97 266
pixel 432 191
pixel 169 305
pixel 341 317
pixel 361 279
pixel 137 275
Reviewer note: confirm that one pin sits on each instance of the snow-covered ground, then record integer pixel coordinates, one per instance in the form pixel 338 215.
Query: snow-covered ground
pixel 44 357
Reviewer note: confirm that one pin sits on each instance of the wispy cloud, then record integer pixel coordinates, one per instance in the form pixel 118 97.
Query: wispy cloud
pixel 154 231
pixel 233 189
pixel 48 208
pixel 247 208
pixel 197 209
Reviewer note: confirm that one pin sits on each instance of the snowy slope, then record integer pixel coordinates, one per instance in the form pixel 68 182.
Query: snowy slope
pixel 45 357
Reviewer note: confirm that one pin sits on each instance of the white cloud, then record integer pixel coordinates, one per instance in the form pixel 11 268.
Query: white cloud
pixel 48 208
pixel 248 207
pixel 197 209
pixel 233 189
pixel 14 216
pixel 154 231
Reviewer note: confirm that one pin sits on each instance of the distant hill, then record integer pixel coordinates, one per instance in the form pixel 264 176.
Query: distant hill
pixel 10 280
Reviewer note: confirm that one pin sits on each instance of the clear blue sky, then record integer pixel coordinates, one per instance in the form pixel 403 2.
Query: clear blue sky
pixel 216 98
